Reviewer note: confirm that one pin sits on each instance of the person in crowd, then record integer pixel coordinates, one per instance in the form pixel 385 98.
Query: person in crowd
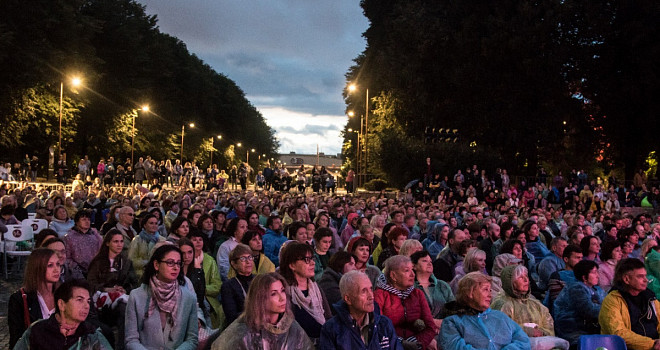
pixel 61 222
pixel 162 312
pixel 559 279
pixel 125 225
pixel 180 228
pixel 322 220
pixel 67 327
pixel 358 323
pixel 268 321
pixel 192 269
pixel 361 250
pixel 590 248
pixel 630 310
pixel 405 305
pixel 236 229
pixel 577 306
pixel 82 243
pixel 310 306
pixel 395 238
pixel 212 280
pixel 552 263
pixel 140 248
pixel 437 239
pixel 533 244
pixel 253 223
pixel 273 239
pixel 297 231
pixel 437 292
pixel 518 303
pixel 475 260
pixel 234 291
pixel 487 245
pixel 111 277
pixel 471 323
pixel 610 256
pixel 261 262
pixel 36 296
pixel 410 246
pixel 443 266
pixel 322 244
pixel 340 263
pixel 384 243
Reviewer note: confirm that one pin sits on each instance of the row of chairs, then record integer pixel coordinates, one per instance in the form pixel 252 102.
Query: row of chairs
pixel 18 241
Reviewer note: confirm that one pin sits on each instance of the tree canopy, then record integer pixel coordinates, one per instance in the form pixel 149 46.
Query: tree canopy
pixel 125 62
pixel 561 84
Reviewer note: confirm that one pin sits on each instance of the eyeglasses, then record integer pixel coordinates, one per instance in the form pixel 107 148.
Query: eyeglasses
pixel 245 258
pixel 172 263
pixel 306 259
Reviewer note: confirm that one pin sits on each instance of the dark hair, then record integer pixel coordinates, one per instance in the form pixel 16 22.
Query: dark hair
pixel 44 235
pixel 146 218
pixel 178 221
pixel 570 249
pixel 201 220
pixel 82 213
pixel 104 250
pixel 35 269
pixel 7 210
pixel 294 251
pixel 360 242
pixel 159 253
pixel 506 226
pixel 51 240
pixel 247 237
pixel 322 232
pixel 269 221
pixel 507 246
pixel 418 255
pixel 65 291
pixel 233 226
pixel 585 243
pixel 339 259
pixel 396 232
pixel 156 210
pixel 215 213
pixel 293 228
pixel 583 268
pixel 607 249
pixel 624 267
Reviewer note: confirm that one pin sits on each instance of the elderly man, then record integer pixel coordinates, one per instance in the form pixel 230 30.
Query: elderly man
pixel 630 300
pixel 358 323
pixel 125 225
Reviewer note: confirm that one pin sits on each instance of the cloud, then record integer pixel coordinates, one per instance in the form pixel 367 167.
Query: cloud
pixel 288 56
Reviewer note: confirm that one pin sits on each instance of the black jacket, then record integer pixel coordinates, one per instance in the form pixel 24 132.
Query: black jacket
pixel 15 314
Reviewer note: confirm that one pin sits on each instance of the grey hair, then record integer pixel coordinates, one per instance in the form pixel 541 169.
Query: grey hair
pixel 349 282
pixel 518 271
pixel 394 263
pixel 409 245
pixel 470 261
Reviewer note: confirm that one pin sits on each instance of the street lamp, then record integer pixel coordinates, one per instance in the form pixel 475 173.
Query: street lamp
pixel 183 131
pixel 75 81
pixel 365 133
pixel 212 147
pixel 135 115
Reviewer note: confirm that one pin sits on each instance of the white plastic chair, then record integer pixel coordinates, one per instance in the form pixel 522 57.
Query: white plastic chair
pixel 14 235
pixel 35 224
pixel 32 216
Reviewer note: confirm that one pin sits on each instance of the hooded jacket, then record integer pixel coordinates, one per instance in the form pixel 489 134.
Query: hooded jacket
pixel 341 333
pixel 522 307
pixel 576 307
pixel 652 265
pixel 286 335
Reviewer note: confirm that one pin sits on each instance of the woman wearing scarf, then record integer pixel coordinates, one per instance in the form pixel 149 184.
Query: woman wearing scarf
pixel 310 306
pixel 534 318
pixel 234 290
pixel 162 313
pixel 142 245
pixel 405 305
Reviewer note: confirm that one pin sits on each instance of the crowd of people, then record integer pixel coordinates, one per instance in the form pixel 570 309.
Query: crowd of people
pixel 448 264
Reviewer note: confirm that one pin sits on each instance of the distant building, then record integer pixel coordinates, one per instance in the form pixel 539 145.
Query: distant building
pixel 293 161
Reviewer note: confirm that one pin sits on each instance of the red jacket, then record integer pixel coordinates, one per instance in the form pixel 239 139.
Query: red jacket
pixel 403 314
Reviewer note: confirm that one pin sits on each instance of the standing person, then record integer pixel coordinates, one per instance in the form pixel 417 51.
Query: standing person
pixel 630 310
pixel 42 274
pixel 162 313
pixel 268 321
pixel 66 328
pixel 350 180
pixel 82 243
pixel 358 323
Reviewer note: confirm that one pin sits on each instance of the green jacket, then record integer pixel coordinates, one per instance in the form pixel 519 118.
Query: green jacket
pixel 652 264
pixel 439 294
pixel 213 285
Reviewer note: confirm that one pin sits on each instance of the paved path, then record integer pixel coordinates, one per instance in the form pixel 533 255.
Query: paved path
pixel 6 289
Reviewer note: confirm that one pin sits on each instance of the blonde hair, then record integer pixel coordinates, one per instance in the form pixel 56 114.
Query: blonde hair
pixel 469 283
pixel 470 262
pixel 257 298
pixel 410 246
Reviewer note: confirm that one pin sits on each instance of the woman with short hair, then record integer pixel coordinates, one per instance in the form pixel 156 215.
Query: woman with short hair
pixel 268 321
pixel 236 229
pixel 437 292
pixel 234 290
pixel 340 263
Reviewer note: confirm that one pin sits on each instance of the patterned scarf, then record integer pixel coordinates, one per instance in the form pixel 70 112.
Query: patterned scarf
pixel 312 304
pixel 381 283
pixel 149 238
pixel 166 296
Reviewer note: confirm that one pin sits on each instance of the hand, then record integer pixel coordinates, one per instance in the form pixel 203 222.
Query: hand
pixel 198 261
pixel 433 345
pixel 438 323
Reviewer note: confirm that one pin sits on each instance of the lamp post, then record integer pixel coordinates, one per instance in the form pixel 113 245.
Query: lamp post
pixel 135 114
pixel 74 82
pixel 212 146
pixel 365 133
pixel 357 150
pixel 183 131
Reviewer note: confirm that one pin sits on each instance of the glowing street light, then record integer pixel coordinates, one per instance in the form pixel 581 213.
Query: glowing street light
pixel 183 131
pixel 144 108
pixel 212 147
pixel 75 81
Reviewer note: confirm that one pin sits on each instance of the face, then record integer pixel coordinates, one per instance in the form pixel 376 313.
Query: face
pixel 254 220
pixel 53 269
pixel 243 264
pixel 362 253
pixel 277 224
pixel 594 246
pixel 198 243
pixel 636 280
pixel 126 216
pixel 517 251
pixel 424 265
pixel 627 248
pixel 241 228
pixel 60 214
pixel 84 223
pixel 77 308
pixel 116 244
pixel 60 251
pixel 324 244
pixel 398 242
pixel 301 235
pixel 349 266
pixel 558 249
pixel 151 226
pixel 521 238
pixel 164 271
pixel 480 297
pixel 534 231
pixel 188 254
pixel 368 234
pixel 256 243
pixel 302 268
pixel 310 230
pixel 361 298
pixel 592 278
pixel 276 303
pixel 322 221
pixel 207 224
pixel 575 258
pixel 403 277
pixel 481 261
pixel 521 284
pixel 617 254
